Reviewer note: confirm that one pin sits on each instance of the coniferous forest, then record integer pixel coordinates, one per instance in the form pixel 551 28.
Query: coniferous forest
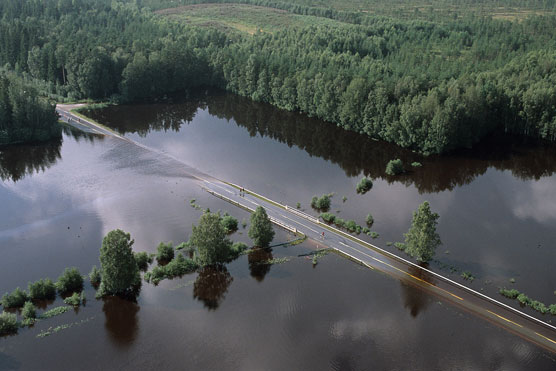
pixel 431 79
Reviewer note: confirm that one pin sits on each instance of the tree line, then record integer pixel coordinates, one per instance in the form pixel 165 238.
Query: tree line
pixel 427 86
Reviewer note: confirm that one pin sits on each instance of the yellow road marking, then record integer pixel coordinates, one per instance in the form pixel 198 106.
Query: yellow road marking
pixel 404 272
pixel 552 341
pixel 504 318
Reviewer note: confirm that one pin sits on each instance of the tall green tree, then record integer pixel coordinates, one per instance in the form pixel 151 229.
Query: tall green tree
pixel 210 238
pixel 120 274
pixel 422 239
pixel 260 230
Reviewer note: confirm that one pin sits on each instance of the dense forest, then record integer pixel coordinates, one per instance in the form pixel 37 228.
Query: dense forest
pixel 430 85
pixel 24 116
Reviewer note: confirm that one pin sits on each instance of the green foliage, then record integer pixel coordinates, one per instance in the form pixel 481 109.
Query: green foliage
pixel 394 167
pixel 552 309
pixel 54 312
pixel 175 268
pixel 43 289
pixel 421 239
pixel 95 276
pixel 209 237
pixel 24 117
pixel 70 281
pixel 164 252
pixel 237 249
pixel 8 323
pixel 466 275
pixel 369 220
pixel 321 203
pixel 229 223
pixel 344 199
pixel 16 299
pixel 74 299
pixel 328 217
pixel 143 260
pixel 29 311
pixel 351 225
pixel 119 271
pixel 431 81
pixel 400 246
pixel 260 230
pixel 364 185
pixel 374 235
pixel 416 164
pixel 298 205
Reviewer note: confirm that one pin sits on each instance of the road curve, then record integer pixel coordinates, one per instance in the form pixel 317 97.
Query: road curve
pixel 509 318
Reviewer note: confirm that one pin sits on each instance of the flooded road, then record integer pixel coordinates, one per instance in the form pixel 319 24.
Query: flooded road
pixel 335 315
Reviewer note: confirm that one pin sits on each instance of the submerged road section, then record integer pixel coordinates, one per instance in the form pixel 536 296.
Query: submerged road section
pixel 371 256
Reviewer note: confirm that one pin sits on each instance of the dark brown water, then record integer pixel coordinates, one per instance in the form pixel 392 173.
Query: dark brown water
pixel 248 316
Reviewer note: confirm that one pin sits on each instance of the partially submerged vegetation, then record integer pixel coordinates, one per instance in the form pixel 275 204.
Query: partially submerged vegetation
pixel 525 300
pixel 321 203
pixel 394 167
pixel 364 185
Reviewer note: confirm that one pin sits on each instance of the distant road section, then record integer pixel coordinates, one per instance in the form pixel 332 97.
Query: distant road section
pixel 373 257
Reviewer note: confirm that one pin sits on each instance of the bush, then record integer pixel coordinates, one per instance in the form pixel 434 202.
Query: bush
pixel 16 299
pixel 328 217
pixel 364 185
pixel 95 276
pixel 74 300
pixel 538 306
pixel 512 294
pixel 394 167
pixel 374 235
pixel 70 281
pixel 366 230
pixel 400 246
pixel 29 311
pixel 229 223
pixel 321 203
pixel 552 309
pixel 8 323
pixel 523 299
pixel 143 260
pixel 351 225
pixel 340 223
pixel 165 252
pixel 237 248
pixel 370 220
pixel 416 164
pixel 177 267
pixel 42 290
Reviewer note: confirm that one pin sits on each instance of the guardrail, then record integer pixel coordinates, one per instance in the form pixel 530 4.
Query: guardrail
pixel 302 214
pixel 272 219
pixel 407 262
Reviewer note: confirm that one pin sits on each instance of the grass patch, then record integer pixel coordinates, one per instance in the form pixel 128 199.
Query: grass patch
pixel 466 275
pixel 53 330
pixel 274 261
pixel 177 267
pixel 54 312
pixel 525 300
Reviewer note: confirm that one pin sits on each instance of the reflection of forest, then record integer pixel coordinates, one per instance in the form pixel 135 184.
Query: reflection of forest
pixel 121 319
pixel 211 285
pixel 354 153
pixel 18 161
pixel 256 259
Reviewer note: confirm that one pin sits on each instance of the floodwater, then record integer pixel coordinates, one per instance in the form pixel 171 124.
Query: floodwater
pixel 59 200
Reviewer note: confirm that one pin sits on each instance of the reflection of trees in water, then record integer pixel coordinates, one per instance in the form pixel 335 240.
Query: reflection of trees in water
pixel 354 153
pixel 415 299
pixel 211 285
pixel 256 259
pixel 121 319
pixel 18 161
